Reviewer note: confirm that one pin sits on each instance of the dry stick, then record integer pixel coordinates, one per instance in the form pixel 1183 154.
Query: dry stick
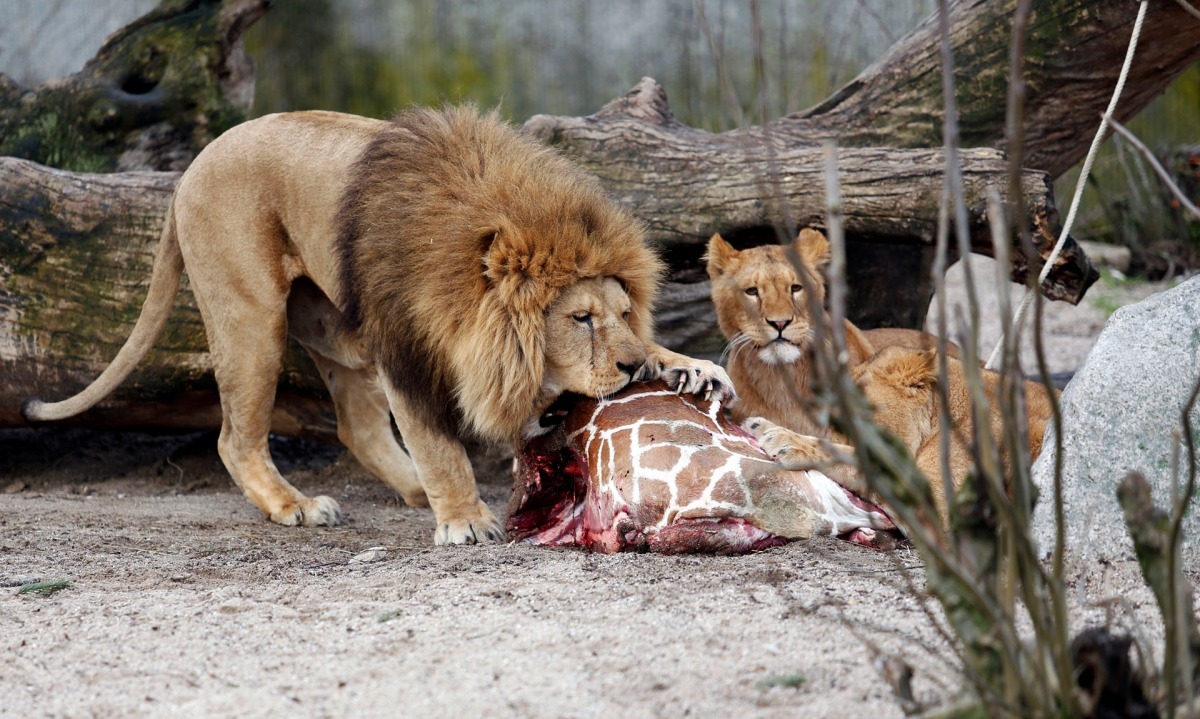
pixel 1156 166
pixel 1175 588
pixel 1010 341
pixel 1083 174
pixel 1010 514
pixel 989 464
pixel 1049 627
pixel 987 458
pixel 1189 8
pixel 926 534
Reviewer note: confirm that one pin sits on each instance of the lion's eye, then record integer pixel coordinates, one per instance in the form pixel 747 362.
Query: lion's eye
pixel 584 318
pixel 752 291
pixel 626 315
pixel 796 289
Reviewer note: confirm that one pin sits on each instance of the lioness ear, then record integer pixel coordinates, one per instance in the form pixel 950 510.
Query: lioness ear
pixel 923 370
pixel 720 253
pixel 908 369
pixel 812 246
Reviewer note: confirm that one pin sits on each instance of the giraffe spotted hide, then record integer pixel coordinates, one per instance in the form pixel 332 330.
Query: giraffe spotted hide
pixel 650 470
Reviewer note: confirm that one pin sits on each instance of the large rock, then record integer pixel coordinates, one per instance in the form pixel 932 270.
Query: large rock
pixel 1118 415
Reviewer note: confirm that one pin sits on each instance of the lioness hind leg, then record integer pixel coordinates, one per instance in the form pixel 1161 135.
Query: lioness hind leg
pixel 365 427
pixel 446 475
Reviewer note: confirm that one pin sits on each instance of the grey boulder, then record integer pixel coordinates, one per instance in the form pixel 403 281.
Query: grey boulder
pixel 1119 413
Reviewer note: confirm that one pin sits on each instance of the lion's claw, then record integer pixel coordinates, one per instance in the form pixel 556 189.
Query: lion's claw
pixel 702 378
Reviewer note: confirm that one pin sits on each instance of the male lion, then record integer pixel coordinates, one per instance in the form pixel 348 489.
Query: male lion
pixel 439 265
pixel 902 386
pixel 763 309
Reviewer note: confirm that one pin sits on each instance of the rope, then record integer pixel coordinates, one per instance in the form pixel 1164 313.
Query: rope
pixel 1083 175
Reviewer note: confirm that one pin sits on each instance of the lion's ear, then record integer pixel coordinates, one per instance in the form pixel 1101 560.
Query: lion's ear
pixel 812 246
pixel 720 253
pixel 492 271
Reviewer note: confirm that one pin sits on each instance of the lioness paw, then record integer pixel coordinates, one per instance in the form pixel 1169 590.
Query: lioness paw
pixel 784 446
pixel 309 512
pixel 483 527
pixel 757 425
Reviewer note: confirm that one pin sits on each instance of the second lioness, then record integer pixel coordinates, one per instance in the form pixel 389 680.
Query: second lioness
pixel 903 389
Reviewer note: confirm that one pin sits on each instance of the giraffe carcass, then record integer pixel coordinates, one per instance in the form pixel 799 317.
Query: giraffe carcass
pixel 647 469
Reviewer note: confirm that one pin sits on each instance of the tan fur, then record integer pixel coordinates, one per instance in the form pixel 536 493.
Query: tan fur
pixel 764 362
pixel 474 275
pixel 902 385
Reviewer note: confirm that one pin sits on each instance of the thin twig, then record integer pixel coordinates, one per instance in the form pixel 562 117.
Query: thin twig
pixel 1189 8
pixel 1157 167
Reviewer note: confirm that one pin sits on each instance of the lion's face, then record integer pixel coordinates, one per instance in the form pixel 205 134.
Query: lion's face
pixel 761 299
pixel 901 385
pixel 590 347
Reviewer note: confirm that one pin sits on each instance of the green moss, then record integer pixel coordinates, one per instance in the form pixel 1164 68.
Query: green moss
pixel 160 69
pixel 44 588
pixel 791 681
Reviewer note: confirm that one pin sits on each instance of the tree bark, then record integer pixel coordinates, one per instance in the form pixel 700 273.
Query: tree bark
pixel 155 94
pixel 1073 54
pixel 75 255
pixel 687 183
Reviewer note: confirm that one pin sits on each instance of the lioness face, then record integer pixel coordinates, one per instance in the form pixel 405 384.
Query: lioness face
pixel 590 347
pixel 761 299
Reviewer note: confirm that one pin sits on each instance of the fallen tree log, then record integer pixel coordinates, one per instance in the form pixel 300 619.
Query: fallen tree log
pixel 686 184
pixel 157 91
pixel 1073 55
pixel 75 249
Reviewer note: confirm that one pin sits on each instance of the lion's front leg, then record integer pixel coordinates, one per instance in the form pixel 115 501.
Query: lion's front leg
pixel 446 475
pixel 687 374
pixel 792 450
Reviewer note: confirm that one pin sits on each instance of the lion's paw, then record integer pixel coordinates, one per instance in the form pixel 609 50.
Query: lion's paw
pixel 781 444
pixel 309 512
pixel 699 377
pixel 482 527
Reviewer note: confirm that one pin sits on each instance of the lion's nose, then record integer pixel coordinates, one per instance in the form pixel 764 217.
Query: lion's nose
pixel 779 324
pixel 630 368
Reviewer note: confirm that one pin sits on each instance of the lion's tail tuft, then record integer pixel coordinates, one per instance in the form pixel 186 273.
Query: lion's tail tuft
pixel 164 284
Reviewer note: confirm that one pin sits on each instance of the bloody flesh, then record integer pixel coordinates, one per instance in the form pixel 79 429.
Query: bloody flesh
pixel 648 469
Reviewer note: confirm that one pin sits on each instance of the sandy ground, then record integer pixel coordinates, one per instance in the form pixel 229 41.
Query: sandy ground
pixel 184 601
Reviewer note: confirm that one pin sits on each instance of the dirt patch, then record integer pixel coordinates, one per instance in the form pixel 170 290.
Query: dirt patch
pixel 183 600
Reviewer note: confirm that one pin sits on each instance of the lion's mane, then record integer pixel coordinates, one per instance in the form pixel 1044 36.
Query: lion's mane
pixel 457 233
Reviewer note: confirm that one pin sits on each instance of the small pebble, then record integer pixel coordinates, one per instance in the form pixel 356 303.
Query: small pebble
pixel 17 581
pixel 374 554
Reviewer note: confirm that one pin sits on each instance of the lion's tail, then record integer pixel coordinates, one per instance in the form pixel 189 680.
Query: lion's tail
pixel 164 284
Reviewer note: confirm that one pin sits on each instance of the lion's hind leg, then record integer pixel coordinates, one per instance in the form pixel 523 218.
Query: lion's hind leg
pixel 246 338
pixel 365 426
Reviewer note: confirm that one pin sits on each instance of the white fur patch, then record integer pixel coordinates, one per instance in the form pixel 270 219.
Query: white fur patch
pixel 779 353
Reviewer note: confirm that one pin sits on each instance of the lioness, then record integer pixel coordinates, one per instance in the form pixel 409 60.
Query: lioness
pixel 440 266
pixel 763 310
pixel 902 386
